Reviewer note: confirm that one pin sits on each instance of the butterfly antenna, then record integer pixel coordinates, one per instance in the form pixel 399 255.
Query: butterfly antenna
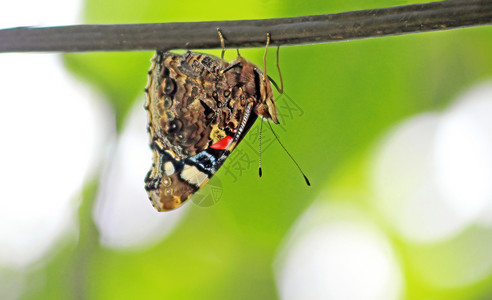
pixel 259 156
pixel 295 162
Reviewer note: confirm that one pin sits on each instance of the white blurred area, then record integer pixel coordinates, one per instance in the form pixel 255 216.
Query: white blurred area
pixel 432 184
pixel 14 13
pixel 52 130
pixel 336 252
pixel 123 212
pixel 432 175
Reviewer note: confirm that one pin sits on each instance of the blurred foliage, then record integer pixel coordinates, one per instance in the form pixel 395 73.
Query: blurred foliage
pixel 349 92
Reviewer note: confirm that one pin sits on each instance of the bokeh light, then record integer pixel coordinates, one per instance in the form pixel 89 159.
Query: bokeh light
pixel 432 173
pixel 431 179
pixel 336 252
pixel 462 152
pixel 51 132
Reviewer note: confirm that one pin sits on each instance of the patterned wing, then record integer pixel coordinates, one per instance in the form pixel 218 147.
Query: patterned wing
pixel 196 118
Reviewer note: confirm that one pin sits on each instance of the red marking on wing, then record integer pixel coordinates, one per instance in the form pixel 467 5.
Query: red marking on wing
pixel 222 144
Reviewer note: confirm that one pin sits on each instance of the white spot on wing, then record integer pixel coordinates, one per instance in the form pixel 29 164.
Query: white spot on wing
pixel 193 176
pixel 169 168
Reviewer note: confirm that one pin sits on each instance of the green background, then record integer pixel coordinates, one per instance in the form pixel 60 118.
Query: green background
pixel 350 94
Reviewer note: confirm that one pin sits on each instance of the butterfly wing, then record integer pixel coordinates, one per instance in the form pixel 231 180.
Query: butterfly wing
pixel 196 119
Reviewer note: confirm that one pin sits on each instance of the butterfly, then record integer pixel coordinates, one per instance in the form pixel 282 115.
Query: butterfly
pixel 199 108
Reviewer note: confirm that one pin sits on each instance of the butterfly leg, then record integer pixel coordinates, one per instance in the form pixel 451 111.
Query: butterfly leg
pixel 281 90
pixel 222 44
